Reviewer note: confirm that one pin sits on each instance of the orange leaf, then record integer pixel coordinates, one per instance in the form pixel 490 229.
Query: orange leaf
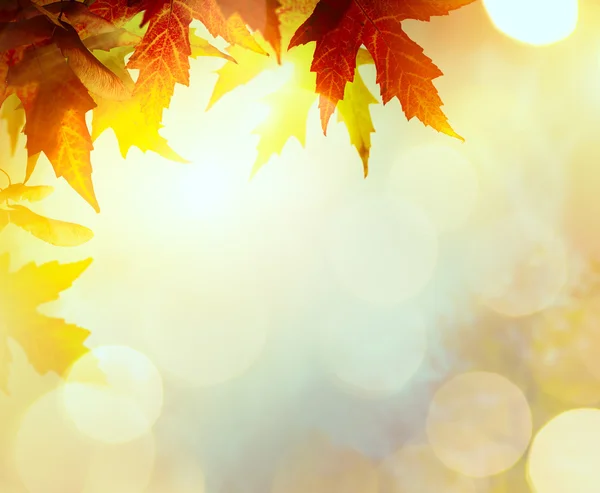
pixel 118 12
pixel 163 59
pixel 55 104
pixel 3 77
pixel 340 27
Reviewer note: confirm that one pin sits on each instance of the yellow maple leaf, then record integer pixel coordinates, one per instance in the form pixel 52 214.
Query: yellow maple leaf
pixel 353 110
pixel 289 110
pixel 51 344
pixel 291 103
pixel 126 118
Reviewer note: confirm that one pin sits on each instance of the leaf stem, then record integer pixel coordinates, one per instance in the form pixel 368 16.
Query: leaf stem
pixel 7 177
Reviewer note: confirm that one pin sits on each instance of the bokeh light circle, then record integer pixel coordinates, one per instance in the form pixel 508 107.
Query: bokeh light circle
pixel 122 407
pixel 392 252
pixel 479 424
pixel 564 348
pixel 589 345
pixel 517 269
pixel 564 454
pixel 536 22
pixel 316 465
pixel 415 468
pixel 52 456
pixel 440 180
pixel 211 324
pixel 373 353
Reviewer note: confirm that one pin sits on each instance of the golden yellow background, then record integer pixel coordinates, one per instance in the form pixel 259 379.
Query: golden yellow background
pixel 433 328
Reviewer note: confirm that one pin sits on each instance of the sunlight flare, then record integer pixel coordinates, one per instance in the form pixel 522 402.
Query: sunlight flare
pixel 535 22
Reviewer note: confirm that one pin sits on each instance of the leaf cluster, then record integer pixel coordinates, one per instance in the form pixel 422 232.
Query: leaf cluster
pixel 63 59
pixel 60 60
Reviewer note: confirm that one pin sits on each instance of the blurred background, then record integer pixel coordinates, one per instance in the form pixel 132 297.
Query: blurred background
pixel 432 328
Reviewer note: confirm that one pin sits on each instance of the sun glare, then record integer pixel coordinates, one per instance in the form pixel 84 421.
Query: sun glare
pixel 535 22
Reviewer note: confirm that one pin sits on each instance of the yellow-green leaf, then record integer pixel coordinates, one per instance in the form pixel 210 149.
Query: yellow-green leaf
pixel 353 110
pixel 18 192
pixel 201 47
pixel 126 118
pixel 53 231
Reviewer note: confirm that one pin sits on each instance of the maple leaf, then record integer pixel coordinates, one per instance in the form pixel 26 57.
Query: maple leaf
pixel 201 47
pixel 52 77
pixel 353 110
pixel 260 15
pixel 291 103
pixel 55 107
pixel 117 12
pixel 162 57
pixel 340 27
pixel 126 118
pixel 96 32
pixel 51 344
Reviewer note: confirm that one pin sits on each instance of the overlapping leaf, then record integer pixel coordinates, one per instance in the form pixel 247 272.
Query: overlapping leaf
pixel 51 344
pixel 340 27
pixel 260 15
pixel 127 119
pixel 291 103
pixel 162 57
pixel 53 231
pixel 46 58
pixel 51 71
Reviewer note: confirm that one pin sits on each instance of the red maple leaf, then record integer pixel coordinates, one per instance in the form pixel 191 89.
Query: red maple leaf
pixel 340 27
pixel 162 57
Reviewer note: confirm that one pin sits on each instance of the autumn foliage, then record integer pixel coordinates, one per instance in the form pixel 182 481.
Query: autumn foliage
pixel 61 60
